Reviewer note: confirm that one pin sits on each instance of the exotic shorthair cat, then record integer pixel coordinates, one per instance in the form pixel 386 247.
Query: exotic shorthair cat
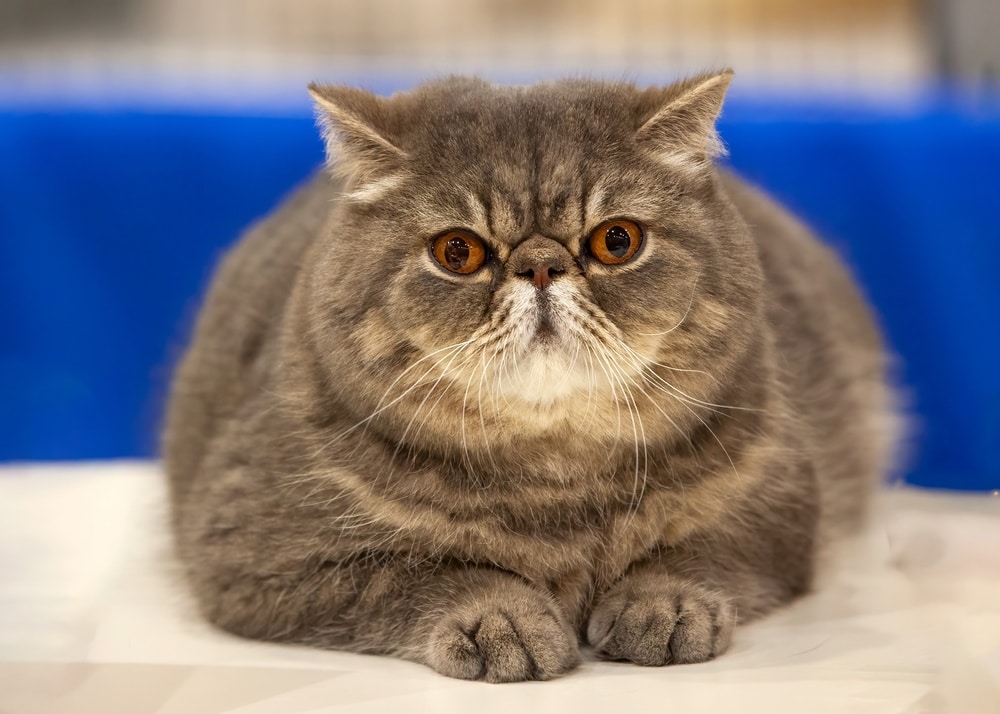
pixel 525 370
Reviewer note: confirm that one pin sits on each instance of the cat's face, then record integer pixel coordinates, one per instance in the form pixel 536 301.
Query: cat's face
pixel 548 250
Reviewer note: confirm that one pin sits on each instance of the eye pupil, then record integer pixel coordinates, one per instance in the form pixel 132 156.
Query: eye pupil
pixel 459 251
pixel 617 240
pixel 456 253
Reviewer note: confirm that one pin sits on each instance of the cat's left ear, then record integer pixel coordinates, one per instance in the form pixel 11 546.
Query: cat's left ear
pixel 356 127
pixel 680 128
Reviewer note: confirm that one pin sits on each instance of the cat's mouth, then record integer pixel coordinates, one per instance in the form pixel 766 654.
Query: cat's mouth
pixel 544 365
pixel 546 331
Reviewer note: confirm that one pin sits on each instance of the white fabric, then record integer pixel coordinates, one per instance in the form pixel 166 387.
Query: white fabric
pixel 94 618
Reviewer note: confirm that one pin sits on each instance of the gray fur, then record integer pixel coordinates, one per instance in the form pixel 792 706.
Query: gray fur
pixel 367 452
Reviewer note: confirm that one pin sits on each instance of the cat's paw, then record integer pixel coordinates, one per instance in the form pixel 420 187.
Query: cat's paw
pixel 661 620
pixel 501 638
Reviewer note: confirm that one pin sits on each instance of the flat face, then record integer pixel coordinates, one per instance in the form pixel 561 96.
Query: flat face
pixel 540 249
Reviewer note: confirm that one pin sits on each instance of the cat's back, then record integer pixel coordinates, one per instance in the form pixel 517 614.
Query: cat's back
pixel 237 329
pixel 830 355
pixel 805 277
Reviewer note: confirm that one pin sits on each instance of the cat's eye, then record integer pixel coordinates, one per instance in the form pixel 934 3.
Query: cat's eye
pixel 460 252
pixel 614 242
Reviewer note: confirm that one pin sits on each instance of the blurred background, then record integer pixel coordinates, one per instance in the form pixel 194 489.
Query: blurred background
pixel 138 137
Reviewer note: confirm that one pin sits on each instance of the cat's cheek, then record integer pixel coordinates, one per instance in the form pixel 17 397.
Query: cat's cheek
pixel 653 296
pixel 432 311
pixel 635 301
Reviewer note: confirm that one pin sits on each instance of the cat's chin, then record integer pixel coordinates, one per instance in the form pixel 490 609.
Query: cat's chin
pixel 549 375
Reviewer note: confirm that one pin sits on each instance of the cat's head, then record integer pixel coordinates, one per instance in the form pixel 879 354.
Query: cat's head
pixel 550 251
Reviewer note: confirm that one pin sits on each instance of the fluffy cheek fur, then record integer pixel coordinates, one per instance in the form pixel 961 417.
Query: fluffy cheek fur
pixel 433 311
pixel 651 297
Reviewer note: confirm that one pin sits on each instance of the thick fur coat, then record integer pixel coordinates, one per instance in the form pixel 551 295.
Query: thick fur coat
pixel 481 471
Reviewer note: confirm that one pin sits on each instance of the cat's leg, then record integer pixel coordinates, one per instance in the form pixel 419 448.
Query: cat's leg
pixel 463 621
pixel 292 559
pixel 682 602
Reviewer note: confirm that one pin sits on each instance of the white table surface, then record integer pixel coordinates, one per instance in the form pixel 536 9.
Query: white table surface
pixel 93 618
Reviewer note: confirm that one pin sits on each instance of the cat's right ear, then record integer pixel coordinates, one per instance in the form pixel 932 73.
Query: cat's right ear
pixel 354 124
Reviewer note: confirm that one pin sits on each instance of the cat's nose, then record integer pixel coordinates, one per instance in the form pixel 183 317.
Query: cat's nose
pixel 539 260
pixel 541 272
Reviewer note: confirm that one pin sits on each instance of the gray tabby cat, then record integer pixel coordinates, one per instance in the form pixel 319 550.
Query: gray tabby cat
pixel 526 370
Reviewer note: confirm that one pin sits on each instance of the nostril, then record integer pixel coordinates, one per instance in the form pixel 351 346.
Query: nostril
pixel 541 274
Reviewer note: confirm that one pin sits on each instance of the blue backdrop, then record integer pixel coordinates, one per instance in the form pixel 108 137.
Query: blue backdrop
pixel 110 224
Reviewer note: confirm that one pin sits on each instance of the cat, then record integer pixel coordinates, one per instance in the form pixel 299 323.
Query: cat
pixel 524 369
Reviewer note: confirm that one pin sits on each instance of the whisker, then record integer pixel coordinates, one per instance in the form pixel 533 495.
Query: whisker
pixel 694 288
pixel 479 401
pixel 639 361
pixel 687 404
pixel 423 402
pixel 638 430
pixel 379 408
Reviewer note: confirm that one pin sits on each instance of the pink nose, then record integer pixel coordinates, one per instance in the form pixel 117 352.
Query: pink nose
pixel 541 271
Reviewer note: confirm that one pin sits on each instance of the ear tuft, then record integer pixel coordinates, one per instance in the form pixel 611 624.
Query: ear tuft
pixel 355 127
pixel 681 130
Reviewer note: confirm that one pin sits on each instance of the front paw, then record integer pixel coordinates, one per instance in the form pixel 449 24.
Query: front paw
pixel 658 620
pixel 504 637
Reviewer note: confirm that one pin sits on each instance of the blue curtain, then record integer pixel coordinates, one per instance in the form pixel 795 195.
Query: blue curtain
pixel 111 222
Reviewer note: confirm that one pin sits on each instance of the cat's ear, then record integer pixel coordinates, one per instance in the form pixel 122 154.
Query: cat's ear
pixel 355 127
pixel 680 128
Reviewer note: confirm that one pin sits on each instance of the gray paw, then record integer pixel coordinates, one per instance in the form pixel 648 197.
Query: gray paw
pixel 659 620
pixel 504 639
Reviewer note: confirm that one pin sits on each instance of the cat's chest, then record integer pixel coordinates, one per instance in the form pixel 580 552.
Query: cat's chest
pixel 582 551
pixel 572 544
pixel 571 549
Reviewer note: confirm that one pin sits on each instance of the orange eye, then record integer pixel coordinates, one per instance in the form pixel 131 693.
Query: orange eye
pixel 459 251
pixel 616 241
